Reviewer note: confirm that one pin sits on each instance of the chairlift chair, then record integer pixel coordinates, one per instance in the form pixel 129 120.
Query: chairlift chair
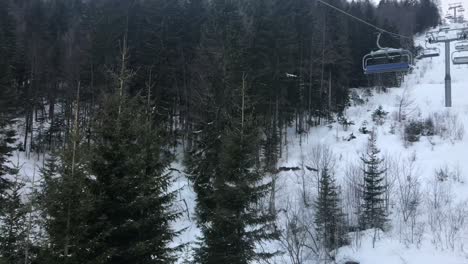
pixel 386 60
pixel 462 35
pixel 428 52
pixel 462 45
pixel 460 57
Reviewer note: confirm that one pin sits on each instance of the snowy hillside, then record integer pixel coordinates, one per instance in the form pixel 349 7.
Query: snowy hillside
pixel 422 97
pixel 444 154
pixel 437 163
pixel 229 132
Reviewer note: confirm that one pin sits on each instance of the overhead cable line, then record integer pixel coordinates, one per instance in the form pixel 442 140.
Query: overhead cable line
pixel 363 21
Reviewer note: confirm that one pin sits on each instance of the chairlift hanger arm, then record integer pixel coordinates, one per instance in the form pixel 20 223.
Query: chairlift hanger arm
pixel 432 39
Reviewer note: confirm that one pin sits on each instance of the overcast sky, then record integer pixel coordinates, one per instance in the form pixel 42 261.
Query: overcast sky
pixel 445 5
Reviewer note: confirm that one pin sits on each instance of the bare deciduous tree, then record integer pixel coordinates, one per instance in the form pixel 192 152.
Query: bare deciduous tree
pixel 446 219
pixel 298 237
pixel 405 104
pixel 408 199
pixel 320 157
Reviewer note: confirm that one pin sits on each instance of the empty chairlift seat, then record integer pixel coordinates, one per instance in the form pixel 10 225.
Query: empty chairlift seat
pixel 460 57
pixel 461 46
pixel 428 53
pixel 387 60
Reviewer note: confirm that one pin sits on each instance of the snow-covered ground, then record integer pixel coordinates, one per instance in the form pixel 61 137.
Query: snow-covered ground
pixel 423 90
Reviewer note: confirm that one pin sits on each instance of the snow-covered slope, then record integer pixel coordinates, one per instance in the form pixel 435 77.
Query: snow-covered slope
pixel 423 94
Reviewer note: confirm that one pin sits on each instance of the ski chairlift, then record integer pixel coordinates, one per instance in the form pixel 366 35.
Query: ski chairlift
pixel 462 35
pixel 428 52
pixel 462 45
pixel 386 60
pixel 460 57
pixel 441 35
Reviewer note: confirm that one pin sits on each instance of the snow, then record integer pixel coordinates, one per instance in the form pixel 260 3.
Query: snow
pixel 425 86
pixel 390 251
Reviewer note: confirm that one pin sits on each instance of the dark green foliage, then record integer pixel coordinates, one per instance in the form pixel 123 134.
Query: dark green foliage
pixel 363 129
pixel 427 15
pixel 11 207
pixel 373 213
pixel 329 218
pixel 61 43
pixel 223 164
pixel 414 129
pixel 344 121
pixel 297 58
pixel 64 201
pixel 428 127
pixel 132 202
pixel 7 96
pixel 235 221
pixel 379 116
pixel 13 224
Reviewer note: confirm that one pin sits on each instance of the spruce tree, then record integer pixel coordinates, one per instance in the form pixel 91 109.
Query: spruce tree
pixel 7 102
pixel 132 204
pixel 13 223
pixel 64 200
pixel 131 207
pixel 328 216
pixel 236 222
pixel 223 164
pixel 11 214
pixel 373 213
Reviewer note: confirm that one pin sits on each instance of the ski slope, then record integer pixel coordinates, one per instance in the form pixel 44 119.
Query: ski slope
pixel 425 88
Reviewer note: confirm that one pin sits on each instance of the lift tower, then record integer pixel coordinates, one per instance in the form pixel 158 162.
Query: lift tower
pixel 456 7
pixel 447 36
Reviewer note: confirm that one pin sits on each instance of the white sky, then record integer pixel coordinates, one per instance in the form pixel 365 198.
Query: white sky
pixel 445 5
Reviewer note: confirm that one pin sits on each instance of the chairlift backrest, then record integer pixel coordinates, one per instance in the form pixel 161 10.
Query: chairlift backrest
pixel 462 45
pixel 387 60
pixel 428 53
pixel 460 57
pixel 444 28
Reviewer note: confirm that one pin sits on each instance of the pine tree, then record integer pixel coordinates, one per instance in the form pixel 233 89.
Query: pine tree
pixel 11 214
pixel 373 213
pixel 131 213
pixel 7 106
pixel 63 197
pixel 131 216
pixel 223 164
pixel 235 223
pixel 13 223
pixel 64 200
pixel 329 217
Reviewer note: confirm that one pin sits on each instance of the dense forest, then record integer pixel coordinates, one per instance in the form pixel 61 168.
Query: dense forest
pixel 105 92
